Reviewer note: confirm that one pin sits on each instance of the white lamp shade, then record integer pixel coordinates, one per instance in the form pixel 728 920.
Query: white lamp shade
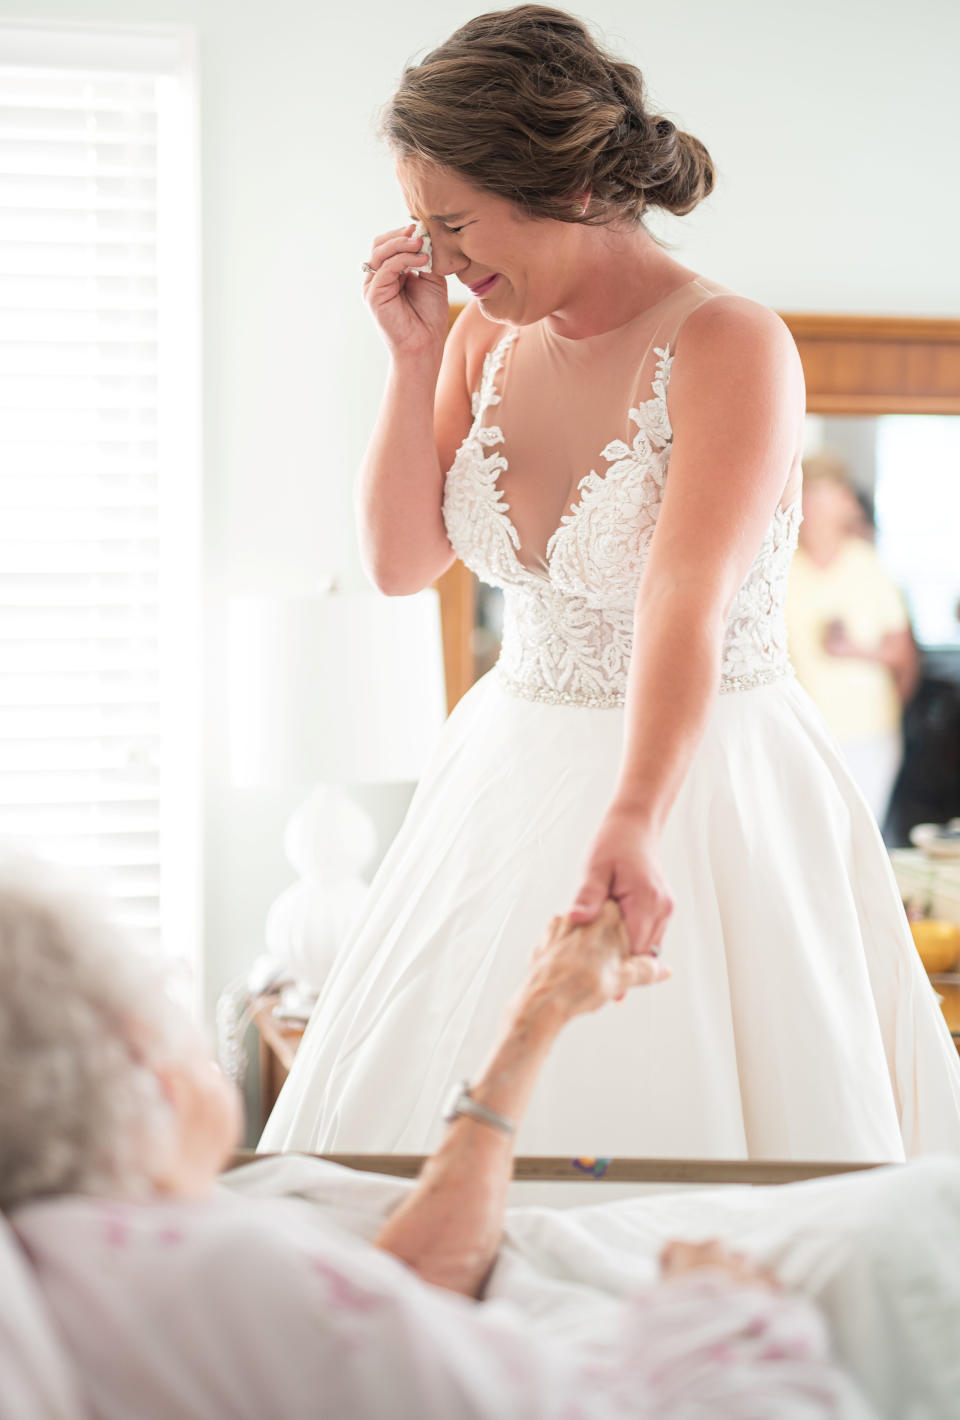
pixel 345 687
pixel 329 837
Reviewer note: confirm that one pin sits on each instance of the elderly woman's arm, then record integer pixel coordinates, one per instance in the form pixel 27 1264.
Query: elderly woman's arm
pixel 449 1229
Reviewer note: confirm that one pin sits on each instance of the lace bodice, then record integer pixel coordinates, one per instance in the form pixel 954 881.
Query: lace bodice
pixel 569 625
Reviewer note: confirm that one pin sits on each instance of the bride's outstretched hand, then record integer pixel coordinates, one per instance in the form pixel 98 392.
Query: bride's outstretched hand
pixel 624 864
pixel 411 311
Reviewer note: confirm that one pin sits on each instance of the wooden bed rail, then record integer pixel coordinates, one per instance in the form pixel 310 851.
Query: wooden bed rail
pixel 549 1169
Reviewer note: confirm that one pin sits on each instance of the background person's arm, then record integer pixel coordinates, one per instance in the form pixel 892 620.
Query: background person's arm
pixel 898 652
pixel 449 1228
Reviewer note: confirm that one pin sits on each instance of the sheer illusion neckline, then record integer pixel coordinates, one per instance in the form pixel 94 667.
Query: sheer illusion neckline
pixel 617 452
pixel 591 481
pixel 586 341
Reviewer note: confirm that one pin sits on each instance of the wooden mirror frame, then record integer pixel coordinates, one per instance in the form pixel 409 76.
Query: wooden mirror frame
pixel 852 365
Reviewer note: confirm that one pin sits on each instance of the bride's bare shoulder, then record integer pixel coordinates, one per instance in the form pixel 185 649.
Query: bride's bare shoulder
pixel 730 343
pixel 732 324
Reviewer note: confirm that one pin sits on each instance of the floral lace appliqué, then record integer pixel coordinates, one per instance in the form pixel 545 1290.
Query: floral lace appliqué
pixel 568 633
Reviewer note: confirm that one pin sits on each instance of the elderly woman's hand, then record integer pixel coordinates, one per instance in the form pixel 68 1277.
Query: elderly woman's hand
pixel 624 865
pixel 412 311
pixel 582 968
pixel 678 1259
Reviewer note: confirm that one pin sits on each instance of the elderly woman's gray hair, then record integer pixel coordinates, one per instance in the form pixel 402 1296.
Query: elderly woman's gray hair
pixel 83 1019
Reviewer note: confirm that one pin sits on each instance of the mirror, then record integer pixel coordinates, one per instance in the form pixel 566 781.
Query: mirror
pixel 905 472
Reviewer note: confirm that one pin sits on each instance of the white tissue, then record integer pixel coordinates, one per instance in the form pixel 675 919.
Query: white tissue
pixel 420 230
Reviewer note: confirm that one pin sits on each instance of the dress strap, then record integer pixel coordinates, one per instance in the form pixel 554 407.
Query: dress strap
pixel 486 393
pixel 696 294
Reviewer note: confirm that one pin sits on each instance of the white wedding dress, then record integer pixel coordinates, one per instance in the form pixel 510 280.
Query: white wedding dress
pixel 798 1023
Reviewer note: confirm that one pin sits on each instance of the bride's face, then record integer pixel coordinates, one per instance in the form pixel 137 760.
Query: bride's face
pixel 518 268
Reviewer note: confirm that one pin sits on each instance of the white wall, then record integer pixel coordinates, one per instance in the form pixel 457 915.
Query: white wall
pixel 833 127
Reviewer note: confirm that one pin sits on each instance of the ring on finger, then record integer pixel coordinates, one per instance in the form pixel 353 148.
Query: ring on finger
pixel 367 268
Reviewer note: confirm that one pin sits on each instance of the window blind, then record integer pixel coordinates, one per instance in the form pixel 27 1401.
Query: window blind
pixel 88 549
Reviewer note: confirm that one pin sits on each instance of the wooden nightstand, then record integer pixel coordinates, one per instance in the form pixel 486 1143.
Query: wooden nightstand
pixel 278 1041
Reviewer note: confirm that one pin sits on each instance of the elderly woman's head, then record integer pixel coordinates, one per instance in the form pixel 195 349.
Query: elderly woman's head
pixel 520 117
pixel 106 1087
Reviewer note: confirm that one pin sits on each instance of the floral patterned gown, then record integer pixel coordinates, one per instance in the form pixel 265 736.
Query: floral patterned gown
pixel 798 1023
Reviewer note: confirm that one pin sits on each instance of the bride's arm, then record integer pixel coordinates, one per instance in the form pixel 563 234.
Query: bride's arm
pixel 424 415
pixel 736 401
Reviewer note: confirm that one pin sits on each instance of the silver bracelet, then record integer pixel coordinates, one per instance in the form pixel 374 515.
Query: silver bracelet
pixel 461 1102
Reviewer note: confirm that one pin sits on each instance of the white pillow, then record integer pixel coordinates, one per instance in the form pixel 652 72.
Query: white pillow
pixel 36 1377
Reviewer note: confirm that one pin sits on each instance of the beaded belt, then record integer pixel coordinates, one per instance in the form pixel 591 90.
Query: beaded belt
pixel 546 695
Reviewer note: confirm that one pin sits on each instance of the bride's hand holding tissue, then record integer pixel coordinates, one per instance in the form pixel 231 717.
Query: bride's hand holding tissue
pixel 403 540
pixel 412 314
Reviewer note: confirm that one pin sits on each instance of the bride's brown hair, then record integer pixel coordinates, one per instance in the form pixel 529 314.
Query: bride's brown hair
pixel 524 103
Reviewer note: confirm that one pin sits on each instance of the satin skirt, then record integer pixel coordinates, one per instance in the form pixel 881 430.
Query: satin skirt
pixel 798 1024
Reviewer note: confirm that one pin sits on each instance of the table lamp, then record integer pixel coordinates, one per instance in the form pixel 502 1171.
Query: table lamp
pixel 329 690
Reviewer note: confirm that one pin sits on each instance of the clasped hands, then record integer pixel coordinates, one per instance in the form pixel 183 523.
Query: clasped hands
pixel 610 939
pixel 580 968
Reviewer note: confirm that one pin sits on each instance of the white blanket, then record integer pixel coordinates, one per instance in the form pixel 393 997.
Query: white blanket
pixel 256 1304
pixel 879 1252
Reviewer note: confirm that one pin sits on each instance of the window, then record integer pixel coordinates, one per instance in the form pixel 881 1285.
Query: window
pixel 918 515
pixel 99 465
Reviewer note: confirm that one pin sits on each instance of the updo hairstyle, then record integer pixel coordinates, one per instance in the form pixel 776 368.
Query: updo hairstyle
pixel 524 104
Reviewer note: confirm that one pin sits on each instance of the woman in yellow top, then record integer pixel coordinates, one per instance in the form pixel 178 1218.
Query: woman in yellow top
pixel 849 633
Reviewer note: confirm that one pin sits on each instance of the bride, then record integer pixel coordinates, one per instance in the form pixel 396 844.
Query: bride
pixel 615 441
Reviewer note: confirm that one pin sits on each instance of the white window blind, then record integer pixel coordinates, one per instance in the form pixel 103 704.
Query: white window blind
pixel 99 475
